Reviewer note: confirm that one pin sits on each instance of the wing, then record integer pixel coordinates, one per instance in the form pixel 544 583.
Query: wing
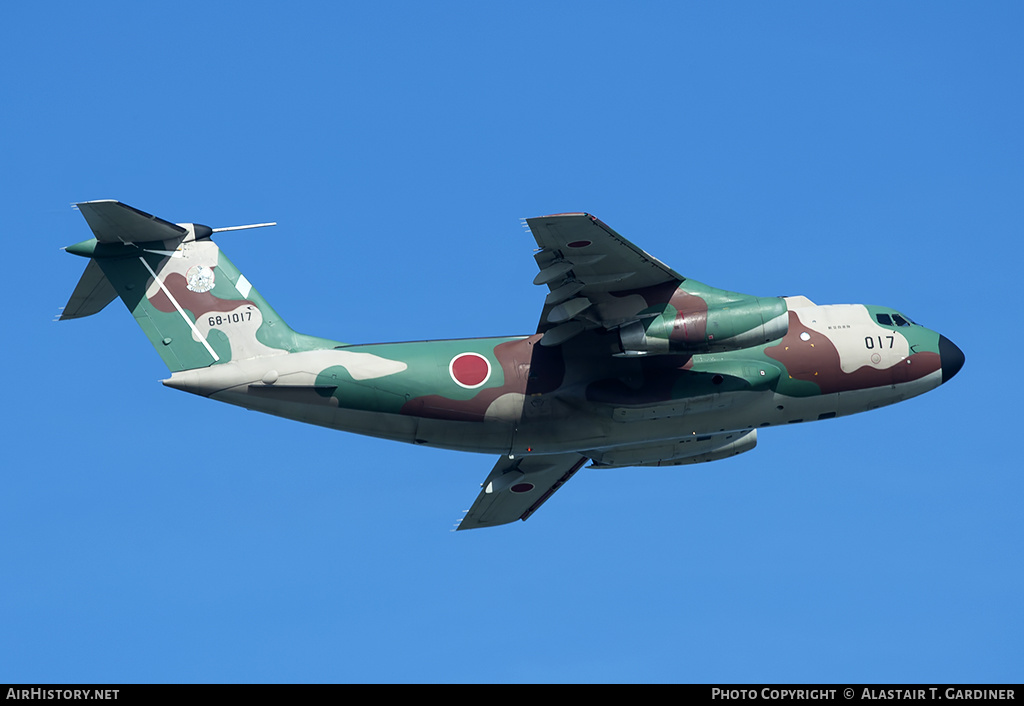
pixel 583 262
pixel 515 488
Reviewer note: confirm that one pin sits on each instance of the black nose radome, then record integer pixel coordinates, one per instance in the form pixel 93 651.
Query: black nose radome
pixel 951 357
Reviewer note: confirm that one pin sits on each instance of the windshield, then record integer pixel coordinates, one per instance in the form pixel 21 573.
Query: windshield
pixel 894 319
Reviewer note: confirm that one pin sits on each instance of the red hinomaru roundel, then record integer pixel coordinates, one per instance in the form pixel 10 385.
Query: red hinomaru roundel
pixel 469 370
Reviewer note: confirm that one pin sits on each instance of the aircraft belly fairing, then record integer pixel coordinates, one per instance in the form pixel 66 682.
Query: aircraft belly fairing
pixel 632 364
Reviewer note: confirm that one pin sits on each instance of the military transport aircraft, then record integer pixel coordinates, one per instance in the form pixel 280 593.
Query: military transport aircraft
pixel 632 364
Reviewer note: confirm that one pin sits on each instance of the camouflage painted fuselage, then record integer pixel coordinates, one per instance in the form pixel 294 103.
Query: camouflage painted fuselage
pixel 512 395
pixel 631 365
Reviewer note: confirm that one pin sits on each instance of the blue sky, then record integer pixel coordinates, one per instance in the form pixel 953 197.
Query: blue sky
pixel 865 152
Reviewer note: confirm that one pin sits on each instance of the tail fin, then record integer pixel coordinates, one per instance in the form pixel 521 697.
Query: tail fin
pixel 194 305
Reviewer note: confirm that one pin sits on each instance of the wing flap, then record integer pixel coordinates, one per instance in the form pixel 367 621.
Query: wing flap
pixel 515 488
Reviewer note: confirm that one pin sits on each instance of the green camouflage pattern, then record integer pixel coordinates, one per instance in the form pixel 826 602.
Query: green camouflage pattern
pixel 631 365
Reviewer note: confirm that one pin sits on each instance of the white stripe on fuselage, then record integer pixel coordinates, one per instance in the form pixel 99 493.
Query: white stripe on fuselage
pixel 191 325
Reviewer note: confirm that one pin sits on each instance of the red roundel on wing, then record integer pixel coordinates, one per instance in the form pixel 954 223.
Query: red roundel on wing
pixel 522 487
pixel 470 369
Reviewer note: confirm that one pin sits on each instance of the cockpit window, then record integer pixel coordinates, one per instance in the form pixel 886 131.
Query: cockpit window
pixel 893 319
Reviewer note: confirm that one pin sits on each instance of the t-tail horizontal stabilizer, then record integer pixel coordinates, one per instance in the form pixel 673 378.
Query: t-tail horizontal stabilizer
pixel 195 307
pixel 93 293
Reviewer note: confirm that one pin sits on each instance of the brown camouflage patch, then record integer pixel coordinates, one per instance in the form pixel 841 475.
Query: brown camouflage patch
pixel 199 303
pixel 815 359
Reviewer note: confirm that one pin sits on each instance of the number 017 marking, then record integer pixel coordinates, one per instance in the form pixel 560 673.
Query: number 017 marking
pixel 869 341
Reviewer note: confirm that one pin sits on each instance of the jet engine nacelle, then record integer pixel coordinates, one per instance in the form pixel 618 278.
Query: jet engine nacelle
pixel 726 327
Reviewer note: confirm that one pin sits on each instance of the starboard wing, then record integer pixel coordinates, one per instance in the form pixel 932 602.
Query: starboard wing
pixel 516 487
pixel 583 262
